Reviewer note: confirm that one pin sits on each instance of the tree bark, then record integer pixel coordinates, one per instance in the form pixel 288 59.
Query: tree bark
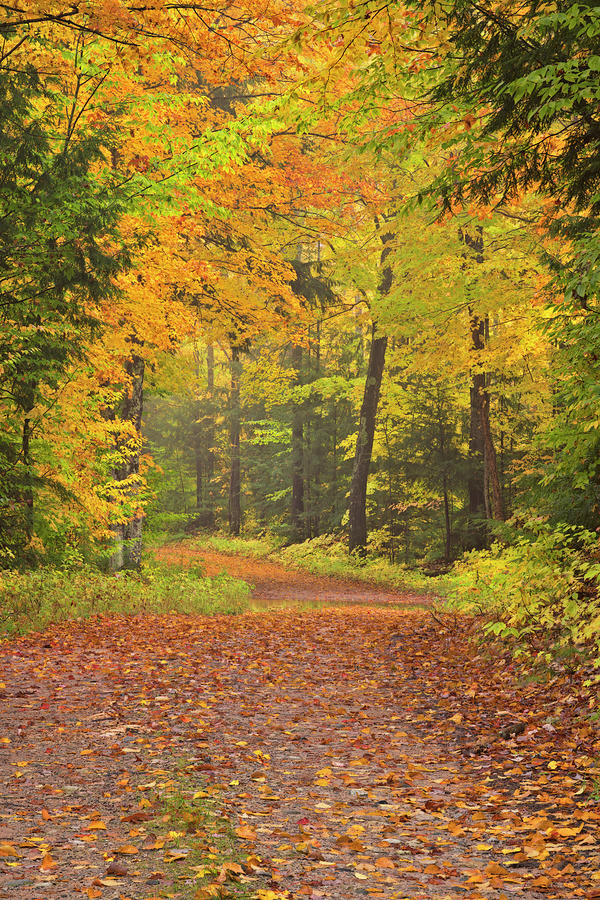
pixel 27 493
pixel 235 511
pixel 484 473
pixel 364 444
pixel 197 431
pixel 127 552
pixel 297 521
pixel 209 468
pixel 491 462
pixel 357 539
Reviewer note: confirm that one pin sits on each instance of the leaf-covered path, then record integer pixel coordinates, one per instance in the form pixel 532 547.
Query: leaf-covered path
pixel 275 584
pixel 359 752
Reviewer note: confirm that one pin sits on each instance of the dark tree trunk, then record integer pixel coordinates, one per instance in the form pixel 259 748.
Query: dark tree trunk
pixel 491 463
pixel 19 487
pixel 447 524
pixel 443 453
pixel 198 436
pixel 476 454
pixel 235 511
pixel 334 473
pixel 476 488
pixel 297 521
pixel 316 450
pixel 484 478
pixel 128 535
pixel 27 492
pixel 209 468
pixel 364 444
pixel 357 539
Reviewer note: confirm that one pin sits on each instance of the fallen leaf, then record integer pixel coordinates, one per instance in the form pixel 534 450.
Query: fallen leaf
pixel 127 850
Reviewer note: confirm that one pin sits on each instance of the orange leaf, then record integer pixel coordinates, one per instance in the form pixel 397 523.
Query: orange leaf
pixel 127 849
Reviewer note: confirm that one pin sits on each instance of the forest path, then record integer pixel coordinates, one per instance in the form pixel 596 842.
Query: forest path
pixel 357 750
pixel 275 584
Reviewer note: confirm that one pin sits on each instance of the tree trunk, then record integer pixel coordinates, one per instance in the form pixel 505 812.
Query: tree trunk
pixel 297 521
pixel 366 427
pixel 27 493
pixel 364 444
pixel 447 524
pixel 128 535
pixel 235 511
pixel 491 463
pixel 443 457
pixel 476 452
pixel 209 468
pixel 198 435
pixel 484 476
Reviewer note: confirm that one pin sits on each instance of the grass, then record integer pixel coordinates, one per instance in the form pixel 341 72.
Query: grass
pixel 32 600
pixel 328 555
pixel 206 856
pixel 258 548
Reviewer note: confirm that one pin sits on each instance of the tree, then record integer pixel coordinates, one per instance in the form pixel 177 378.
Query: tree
pixel 366 426
pixel 60 251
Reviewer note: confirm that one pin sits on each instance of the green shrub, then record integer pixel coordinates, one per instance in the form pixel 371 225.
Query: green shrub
pixel 328 555
pixel 540 592
pixel 32 600
pixel 225 543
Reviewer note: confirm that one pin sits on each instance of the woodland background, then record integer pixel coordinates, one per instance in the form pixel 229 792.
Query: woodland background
pixel 322 273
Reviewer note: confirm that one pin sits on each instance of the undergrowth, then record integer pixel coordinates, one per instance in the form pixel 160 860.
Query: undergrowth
pixel 32 600
pixel 326 555
pixel 537 593
pixel 258 548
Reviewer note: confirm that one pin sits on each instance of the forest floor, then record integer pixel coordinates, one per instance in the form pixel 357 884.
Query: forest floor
pixel 358 750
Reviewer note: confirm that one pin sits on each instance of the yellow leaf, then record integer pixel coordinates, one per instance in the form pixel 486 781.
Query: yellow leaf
pixel 174 855
pixel 127 849
pixel 8 850
pixel 245 832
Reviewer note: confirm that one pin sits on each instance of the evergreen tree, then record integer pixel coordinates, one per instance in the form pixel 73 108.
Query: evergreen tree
pixel 59 251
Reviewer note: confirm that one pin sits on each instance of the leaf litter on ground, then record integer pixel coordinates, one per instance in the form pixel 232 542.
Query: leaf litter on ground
pixel 347 752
